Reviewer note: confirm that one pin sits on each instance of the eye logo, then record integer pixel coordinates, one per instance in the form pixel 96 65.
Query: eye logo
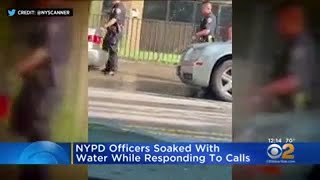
pixel 44 152
pixel 284 152
pixel 274 151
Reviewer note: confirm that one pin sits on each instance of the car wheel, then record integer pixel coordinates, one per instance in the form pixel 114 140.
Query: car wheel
pixel 221 81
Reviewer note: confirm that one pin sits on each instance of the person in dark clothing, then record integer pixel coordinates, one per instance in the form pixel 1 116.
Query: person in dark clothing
pixel 294 79
pixel 47 41
pixel 48 48
pixel 27 120
pixel 208 24
pixel 114 28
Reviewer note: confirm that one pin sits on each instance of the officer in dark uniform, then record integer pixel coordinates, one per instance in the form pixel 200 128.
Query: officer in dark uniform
pixel 208 24
pixel 294 80
pixel 47 43
pixel 295 83
pixel 114 29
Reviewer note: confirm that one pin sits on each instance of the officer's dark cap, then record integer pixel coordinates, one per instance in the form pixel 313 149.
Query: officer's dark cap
pixel 206 1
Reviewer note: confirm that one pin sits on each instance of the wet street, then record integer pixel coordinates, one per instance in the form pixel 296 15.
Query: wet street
pixel 159 115
pixel 121 108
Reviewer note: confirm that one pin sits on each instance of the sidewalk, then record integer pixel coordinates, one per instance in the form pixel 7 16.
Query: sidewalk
pixel 141 76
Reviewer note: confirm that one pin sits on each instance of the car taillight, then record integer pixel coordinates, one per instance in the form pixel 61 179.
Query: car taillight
pixel 198 63
pixel 4 106
pixel 95 39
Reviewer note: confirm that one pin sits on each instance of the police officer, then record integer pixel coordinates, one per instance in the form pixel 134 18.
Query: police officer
pixel 114 29
pixel 208 24
pixel 41 69
pixel 295 79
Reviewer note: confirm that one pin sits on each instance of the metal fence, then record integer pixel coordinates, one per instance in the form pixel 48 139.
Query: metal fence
pixel 151 40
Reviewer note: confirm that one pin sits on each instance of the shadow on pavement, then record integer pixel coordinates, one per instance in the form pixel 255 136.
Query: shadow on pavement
pixel 151 86
pixel 172 88
pixel 172 80
pixel 163 88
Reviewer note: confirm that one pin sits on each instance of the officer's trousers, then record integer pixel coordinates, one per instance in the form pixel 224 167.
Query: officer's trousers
pixel 110 44
pixel 31 116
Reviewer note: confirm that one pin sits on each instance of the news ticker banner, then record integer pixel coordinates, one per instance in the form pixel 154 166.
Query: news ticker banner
pixel 40 12
pixel 45 152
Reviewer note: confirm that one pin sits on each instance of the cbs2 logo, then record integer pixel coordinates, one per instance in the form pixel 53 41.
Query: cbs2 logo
pixel 275 151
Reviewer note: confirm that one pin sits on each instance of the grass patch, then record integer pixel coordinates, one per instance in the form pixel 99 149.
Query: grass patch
pixel 146 56
pixel 149 56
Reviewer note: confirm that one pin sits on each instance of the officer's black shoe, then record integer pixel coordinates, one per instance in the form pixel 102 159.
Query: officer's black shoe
pixel 105 71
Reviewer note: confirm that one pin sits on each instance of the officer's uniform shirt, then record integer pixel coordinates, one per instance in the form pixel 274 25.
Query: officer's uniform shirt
pixel 118 12
pixel 53 34
pixel 301 57
pixel 209 23
pixel 40 92
pixel 303 63
pixel 34 36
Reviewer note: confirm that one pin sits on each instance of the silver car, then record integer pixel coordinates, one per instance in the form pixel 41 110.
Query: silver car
pixel 209 66
pixel 96 56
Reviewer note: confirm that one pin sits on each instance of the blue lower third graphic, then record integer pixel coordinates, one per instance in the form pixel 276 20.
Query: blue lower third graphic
pixel 196 153
pixel 42 152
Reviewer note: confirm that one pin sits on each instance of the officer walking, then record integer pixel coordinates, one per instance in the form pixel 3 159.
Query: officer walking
pixel 295 78
pixel 114 28
pixel 47 44
pixel 208 24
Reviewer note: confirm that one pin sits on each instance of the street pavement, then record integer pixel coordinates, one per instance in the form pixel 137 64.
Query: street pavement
pixel 160 115
pixel 148 103
pixel 150 98
pixel 146 77
pixel 124 116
